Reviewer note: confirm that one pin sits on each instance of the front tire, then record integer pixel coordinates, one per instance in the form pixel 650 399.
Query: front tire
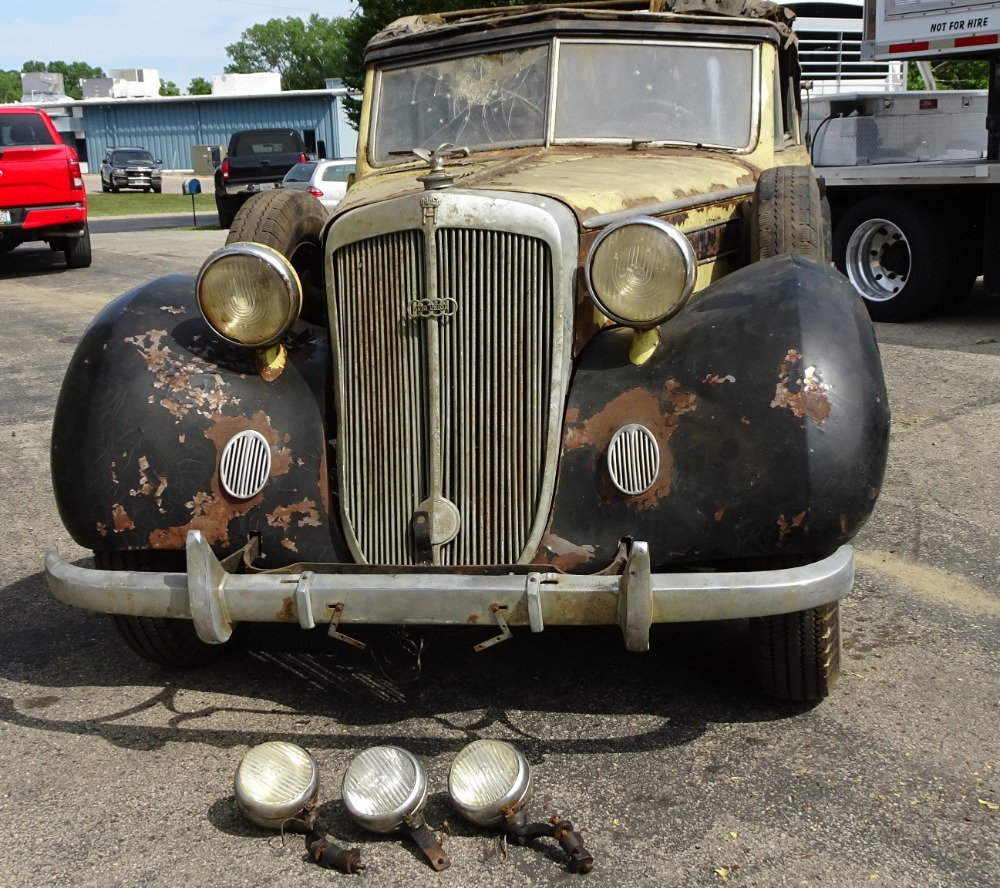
pixel 166 642
pixel 797 655
pixel 290 222
pixel 895 255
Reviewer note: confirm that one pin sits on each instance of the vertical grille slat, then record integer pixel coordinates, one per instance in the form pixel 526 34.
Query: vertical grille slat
pixel 495 359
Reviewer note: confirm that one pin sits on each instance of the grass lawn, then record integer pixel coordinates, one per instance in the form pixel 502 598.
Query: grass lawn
pixel 139 203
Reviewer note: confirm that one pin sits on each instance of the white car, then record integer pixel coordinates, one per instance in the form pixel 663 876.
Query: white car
pixel 323 179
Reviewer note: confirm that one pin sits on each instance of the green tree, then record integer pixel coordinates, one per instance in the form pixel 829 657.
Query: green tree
pixel 952 74
pixel 169 88
pixel 304 53
pixel 72 72
pixel 199 86
pixel 375 15
pixel 10 86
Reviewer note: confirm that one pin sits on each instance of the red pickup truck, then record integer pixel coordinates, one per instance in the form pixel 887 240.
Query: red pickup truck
pixel 42 197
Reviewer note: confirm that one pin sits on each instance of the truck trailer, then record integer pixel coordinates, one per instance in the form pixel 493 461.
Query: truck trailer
pixel 912 176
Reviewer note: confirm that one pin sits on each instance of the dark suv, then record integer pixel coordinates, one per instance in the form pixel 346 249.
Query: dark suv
pixel 130 168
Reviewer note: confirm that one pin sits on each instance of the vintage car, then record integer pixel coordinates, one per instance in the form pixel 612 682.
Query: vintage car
pixel 570 352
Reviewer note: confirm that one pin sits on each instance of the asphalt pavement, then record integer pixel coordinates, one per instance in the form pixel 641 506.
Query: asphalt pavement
pixel 114 772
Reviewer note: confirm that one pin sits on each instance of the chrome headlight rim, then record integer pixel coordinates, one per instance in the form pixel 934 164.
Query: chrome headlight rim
pixel 275 263
pixel 283 770
pixel 493 811
pixel 393 818
pixel 678 239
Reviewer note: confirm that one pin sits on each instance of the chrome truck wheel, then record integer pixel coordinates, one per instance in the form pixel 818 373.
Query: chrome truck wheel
pixel 895 256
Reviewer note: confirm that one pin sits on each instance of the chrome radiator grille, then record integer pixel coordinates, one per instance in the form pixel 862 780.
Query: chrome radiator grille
pixel 445 340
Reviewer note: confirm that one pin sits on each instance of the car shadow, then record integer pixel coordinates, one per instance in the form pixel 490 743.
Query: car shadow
pixel 428 691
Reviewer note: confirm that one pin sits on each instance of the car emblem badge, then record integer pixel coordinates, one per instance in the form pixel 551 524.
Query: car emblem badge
pixel 432 308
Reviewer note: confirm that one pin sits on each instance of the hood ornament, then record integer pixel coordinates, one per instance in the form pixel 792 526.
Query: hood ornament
pixel 438 178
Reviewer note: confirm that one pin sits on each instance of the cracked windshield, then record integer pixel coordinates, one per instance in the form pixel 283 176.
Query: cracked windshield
pixel 606 92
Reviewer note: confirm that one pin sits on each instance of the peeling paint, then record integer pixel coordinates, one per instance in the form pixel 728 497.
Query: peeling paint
pixel 177 378
pixel 567 555
pixel 806 396
pixel 146 487
pixel 787 525
pixel 713 379
pixel 283 516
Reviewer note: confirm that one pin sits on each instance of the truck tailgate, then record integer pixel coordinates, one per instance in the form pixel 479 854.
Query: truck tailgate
pixel 33 175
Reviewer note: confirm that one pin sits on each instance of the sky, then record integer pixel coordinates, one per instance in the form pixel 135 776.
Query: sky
pixel 181 39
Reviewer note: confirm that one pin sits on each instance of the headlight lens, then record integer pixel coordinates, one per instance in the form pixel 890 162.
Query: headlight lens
pixel 249 294
pixel 274 782
pixel 641 271
pixel 487 778
pixel 382 786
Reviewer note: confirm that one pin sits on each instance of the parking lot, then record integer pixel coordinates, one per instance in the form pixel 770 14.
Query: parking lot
pixel 116 772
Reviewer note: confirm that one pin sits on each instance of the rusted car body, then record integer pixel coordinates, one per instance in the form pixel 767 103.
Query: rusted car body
pixel 458 431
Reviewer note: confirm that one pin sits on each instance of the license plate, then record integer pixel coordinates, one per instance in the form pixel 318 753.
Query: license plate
pixel 4 217
pixel 265 186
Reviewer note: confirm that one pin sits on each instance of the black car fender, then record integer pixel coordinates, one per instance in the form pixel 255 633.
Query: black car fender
pixel 150 400
pixel 766 399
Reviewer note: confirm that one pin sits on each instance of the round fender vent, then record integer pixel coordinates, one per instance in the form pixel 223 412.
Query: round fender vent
pixel 633 459
pixel 246 464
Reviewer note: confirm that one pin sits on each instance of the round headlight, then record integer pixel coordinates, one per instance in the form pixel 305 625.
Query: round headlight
pixel 487 778
pixel 275 782
pixel 383 786
pixel 249 294
pixel 641 271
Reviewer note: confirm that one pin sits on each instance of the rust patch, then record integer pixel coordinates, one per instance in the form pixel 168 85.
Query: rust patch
pixel 102 528
pixel 287 612
pixel 787 525
pixel 806 396
pixel 720 513
pixel 660 413
pixel 472 618
pixel 175 377
pixel 210 513
pixel 282 517
pixel 122 521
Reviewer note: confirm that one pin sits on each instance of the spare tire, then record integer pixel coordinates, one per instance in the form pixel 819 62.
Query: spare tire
pixel 789 215
pixel 290 222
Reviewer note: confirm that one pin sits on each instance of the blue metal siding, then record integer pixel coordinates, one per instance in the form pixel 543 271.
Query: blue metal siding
pixel 171 127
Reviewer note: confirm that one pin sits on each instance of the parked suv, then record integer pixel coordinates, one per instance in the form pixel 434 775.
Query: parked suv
pixel 570 351
pixel 130 168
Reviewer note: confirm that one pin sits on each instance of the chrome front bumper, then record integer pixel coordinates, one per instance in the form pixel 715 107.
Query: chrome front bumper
pixel 216 600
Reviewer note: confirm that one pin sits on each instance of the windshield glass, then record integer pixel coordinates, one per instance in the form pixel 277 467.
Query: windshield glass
pixel 482 101
pixel 655 92
pixel 605 92
pixel 133 157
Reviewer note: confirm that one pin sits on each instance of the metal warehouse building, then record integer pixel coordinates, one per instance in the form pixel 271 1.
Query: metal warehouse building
pixel 188 132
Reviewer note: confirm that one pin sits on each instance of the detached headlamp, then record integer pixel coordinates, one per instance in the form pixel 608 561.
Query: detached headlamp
pixel 249 294
pixel 277 786
pixel 490 784
pixel 385 790
pixel 641 271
